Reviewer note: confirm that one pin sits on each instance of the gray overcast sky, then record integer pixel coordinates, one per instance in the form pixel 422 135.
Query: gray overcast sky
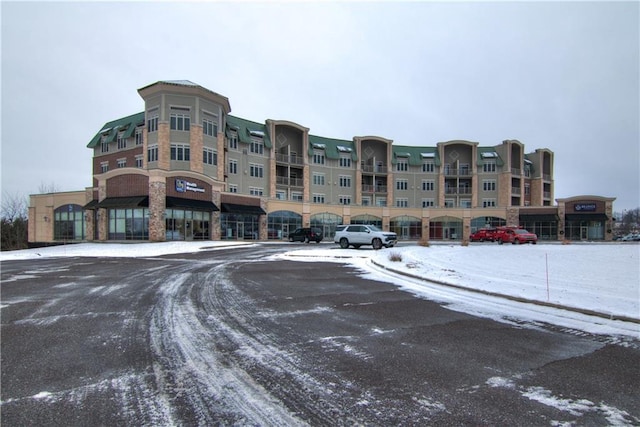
pixel 562 76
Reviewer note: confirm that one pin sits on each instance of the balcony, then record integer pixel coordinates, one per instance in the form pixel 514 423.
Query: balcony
pixel 374 188
pixel 458 190
pixel 292 182
pixel 289 159
pixel 457 172
pixel 374 169
pixel 515 191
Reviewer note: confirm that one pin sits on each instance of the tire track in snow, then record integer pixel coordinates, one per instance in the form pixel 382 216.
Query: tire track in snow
pixel 196 373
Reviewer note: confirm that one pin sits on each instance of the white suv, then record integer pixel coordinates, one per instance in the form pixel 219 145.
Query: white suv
pixel 357 235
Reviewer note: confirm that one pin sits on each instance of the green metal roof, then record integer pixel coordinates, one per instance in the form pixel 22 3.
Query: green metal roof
pixel 416 155
pixel 127 124
pixel 245 128
pixel 332 147
pixel 487 153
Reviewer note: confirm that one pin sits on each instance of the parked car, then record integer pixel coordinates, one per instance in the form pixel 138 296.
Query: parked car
pixel 357 235
pixel 483 234
pixel 631 237
pixel 306 235
pixel 515 236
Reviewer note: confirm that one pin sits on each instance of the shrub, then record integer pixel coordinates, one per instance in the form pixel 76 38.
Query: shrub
pixel 395 257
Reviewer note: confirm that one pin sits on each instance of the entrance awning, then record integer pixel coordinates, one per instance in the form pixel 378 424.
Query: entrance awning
pixel 201 205
pixel 242 209
pixel 124 202
pixel 586 217
pixel 539 218
pixel 91 205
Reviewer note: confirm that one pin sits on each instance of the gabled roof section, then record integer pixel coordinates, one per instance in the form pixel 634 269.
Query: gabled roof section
pixel 489 153
pixel 246 129
pixel 416 155
pixel 110 129
pixel 332 147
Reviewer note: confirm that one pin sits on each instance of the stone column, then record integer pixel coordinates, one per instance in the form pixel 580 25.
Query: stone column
pixel 157 206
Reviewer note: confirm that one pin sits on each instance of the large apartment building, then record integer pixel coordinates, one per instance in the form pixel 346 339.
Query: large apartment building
pixel 185 168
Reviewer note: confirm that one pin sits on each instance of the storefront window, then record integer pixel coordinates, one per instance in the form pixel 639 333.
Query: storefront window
pixel 280 223
pixel 129 224
pixel 184 224
pixel 407 227
pixel 327 222
pixel 236 226
pixel 445 228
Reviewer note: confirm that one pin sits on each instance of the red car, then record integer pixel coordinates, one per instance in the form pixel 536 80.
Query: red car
pixel 515 236
pixel 483 234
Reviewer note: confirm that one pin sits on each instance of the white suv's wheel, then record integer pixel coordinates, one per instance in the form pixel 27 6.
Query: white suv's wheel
pixel 344 243
pixel 377 244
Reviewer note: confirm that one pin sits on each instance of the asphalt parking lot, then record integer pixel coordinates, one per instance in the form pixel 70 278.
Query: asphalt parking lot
pixel 227 337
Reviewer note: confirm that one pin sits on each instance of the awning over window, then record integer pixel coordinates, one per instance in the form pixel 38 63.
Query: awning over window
pixel 120 202
pixel 242 209
pixel 202 205
pixel 586 217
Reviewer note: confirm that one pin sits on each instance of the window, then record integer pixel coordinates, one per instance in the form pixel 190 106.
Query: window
pixel 233 167
pixel 345 181
pixel 345 162
pixel 428 185
pixel 180 120
pixel 256 170
pixel 122 141
pixel 180 152
pixel 104 167
pixel 489 185
pixel 318 179
pixel 281 195
pixel 402 202
pixel 104 146
pixel 402 184
pixel 121 163
pixel 139 161
pixel 139 136
pixel 257 146
pixel 402 165
pixel 296 196
pixel 428 203
pixel 318 198
pixel 256 191
pixel 489 166
pixel 209 156
pixel 233 188
pixel 233 140
pixel 381 201
pixel 366 201
pixel 527 189
pixel 488 203
pixel 318 158
pixel 152 153
pixel 344 200
pixel 428 166
pixel 152 123
pixel 449 203
pixel 465 203
pixel 210 127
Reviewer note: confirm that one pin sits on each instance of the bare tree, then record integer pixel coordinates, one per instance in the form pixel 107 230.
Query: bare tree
pixel 45 188
pixel 13 221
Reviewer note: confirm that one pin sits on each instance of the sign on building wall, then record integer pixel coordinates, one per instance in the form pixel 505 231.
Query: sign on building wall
pixel 182 186
pixel 584 207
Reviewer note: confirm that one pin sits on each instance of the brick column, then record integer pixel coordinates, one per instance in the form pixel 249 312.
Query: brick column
pixel 196 145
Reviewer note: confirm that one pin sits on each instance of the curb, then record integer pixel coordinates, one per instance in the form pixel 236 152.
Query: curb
pixel 607 316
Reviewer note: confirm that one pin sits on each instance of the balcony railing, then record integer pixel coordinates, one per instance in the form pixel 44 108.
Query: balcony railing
pixel 374 188
pixel 458 190
pixel 546 177
pixel 546 194
pixel 515 171
pixel 516 191
pixel 293 182
pixel 374 169
pixel 457 172
pixel 292 160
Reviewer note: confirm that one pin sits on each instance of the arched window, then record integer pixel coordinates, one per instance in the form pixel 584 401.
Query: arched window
pixel 406 227
pixel 445 228
pixel 326 222
pixel 367 219
pixel 280 223
pixel 68 223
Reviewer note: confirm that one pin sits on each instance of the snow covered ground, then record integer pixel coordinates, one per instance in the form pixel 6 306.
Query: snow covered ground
pixel 601 278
